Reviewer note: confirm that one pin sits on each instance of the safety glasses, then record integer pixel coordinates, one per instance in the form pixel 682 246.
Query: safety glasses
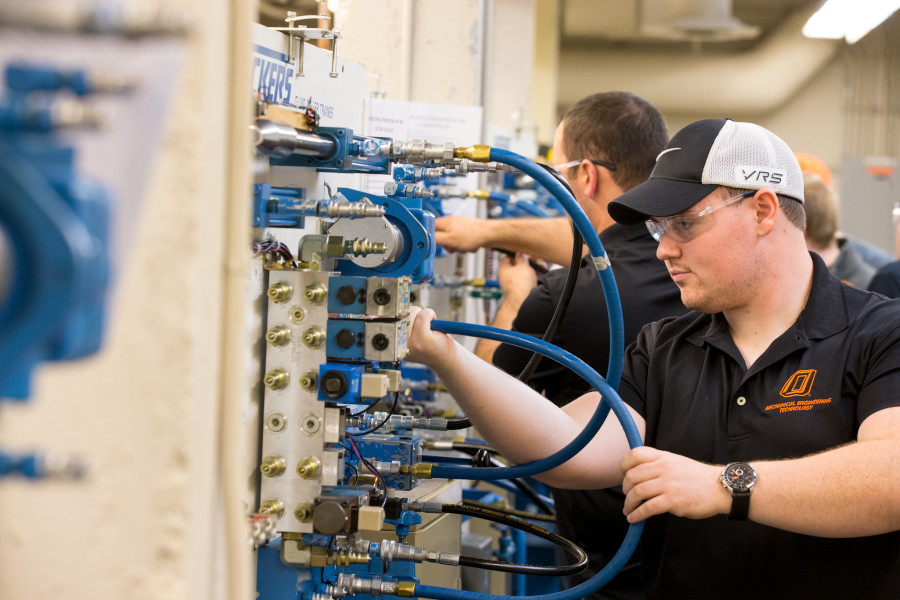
pixel 684 227
pixel 575 163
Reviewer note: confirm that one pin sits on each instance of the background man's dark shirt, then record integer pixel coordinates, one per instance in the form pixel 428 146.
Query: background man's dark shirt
pixel 593 519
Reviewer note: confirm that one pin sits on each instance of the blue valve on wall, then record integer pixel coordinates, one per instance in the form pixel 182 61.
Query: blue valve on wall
pixel 54 229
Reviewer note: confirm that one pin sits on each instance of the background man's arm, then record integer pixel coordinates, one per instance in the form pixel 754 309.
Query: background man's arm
pixel 517 279
pixel 545 239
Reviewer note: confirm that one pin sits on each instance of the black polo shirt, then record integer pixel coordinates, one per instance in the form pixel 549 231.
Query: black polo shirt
pixel 593 518
pixel 808 392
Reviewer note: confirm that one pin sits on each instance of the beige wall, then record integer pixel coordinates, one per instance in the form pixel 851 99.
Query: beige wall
pixel 145 411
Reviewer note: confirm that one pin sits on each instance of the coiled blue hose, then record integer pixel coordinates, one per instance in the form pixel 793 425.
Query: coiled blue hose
pixel 610 400
pixel 601 262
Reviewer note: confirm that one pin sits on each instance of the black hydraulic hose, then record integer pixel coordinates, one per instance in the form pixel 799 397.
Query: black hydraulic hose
pixel 523 486
pixel 561 306
pixel 512 512
pixel 581 558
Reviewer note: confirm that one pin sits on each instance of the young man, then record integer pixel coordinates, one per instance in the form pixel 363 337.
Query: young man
pixel 777 403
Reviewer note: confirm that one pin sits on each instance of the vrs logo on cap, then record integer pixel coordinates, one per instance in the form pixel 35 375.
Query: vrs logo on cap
pixel 768 177
pixel 704 156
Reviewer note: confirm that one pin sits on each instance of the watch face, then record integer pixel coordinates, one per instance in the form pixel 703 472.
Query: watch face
pixel 740 476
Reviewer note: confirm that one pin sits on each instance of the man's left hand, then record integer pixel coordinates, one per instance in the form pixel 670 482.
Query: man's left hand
pixel 657 482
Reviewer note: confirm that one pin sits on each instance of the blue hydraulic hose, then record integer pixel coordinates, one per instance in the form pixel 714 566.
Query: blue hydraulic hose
pixel 601 262
pixel 530 208
pixel 610 400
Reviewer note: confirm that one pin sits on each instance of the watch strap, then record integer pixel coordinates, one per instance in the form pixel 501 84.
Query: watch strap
pixel 740 506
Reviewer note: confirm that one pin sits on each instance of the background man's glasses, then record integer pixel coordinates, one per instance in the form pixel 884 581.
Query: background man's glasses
pixel 684 227
pixel 575 163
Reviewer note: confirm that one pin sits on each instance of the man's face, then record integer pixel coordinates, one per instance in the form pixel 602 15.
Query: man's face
pixel 718 269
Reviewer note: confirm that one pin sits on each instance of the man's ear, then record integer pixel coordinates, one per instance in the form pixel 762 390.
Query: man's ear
pixel 591 178
pixel 766 203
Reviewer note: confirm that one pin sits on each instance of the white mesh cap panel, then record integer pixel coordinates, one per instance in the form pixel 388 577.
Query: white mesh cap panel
pixel 747 156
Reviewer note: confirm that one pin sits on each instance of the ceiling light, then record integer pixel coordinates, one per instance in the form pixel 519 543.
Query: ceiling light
pixel 848 19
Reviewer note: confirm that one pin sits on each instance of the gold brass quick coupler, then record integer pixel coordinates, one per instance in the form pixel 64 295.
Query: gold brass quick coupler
pixel 420 470
pixel 480 194
pixel 406 589
pixel 478 153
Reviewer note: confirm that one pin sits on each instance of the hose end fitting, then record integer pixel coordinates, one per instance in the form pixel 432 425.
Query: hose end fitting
pixel 406 589
pixel 478 153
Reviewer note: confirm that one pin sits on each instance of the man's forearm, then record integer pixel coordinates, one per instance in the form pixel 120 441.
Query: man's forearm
pixel 524 426
pixel 850 491
pixel 546 239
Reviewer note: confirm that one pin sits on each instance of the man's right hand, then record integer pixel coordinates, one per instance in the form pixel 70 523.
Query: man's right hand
pixel 461 234
pixel 426 346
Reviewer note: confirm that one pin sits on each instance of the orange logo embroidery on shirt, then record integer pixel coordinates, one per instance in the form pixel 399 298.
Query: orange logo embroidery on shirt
pixel 799 384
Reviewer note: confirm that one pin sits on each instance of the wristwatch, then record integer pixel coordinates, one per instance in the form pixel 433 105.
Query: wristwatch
pixel 739 479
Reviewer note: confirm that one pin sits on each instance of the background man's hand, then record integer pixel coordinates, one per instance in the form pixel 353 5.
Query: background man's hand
pixel 460 234
pixel 516 276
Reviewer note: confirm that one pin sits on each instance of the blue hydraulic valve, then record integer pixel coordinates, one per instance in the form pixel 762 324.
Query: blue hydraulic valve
pixel 54 229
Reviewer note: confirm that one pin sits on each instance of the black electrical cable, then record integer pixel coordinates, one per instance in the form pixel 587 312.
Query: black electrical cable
pixel 511 511
pixel 385 420
pixel 581 559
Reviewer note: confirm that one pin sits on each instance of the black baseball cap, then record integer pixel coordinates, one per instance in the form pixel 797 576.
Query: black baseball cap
pixel 704 156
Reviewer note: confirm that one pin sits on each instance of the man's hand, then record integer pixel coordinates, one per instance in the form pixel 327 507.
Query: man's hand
pixel 426 346
pixel 460 234
pixel 657 482
pixel 516 276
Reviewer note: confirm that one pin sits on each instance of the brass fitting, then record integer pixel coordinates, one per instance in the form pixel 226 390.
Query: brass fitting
pixel 280 292
pixel 273 466
pixel 313 337
pixel 309 467
pixel 480 194
pixel 303 512
pixel 276 379
pixel 278 336
pixel 478 153
pixel 420 470
pixel 272 507
pixel 316 292
pixel 297 314
pixel 308 381
pixel 406 589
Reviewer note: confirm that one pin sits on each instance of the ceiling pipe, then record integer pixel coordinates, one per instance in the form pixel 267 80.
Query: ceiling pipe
pixel 753 82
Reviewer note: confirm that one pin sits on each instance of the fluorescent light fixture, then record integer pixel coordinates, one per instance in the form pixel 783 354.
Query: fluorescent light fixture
pixel 850 19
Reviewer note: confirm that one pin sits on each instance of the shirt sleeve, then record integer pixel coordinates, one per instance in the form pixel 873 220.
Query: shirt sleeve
pixel 880 364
